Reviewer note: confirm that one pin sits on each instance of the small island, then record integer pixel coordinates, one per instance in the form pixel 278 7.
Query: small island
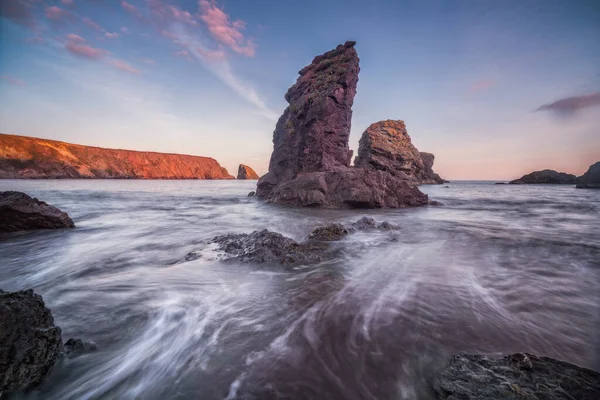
pixel 546 176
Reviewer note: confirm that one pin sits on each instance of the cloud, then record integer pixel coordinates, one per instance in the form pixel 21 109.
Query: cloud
pixel 67 2
pixel 227 32
pixel 184 54
pixel 123 66
pixel 92 24
pixel 125 30
pixel 84 51
pixel 71 37
pixel 113 35
pixel 482 85
pixel 56 13
pixel 212 55
pixel 148 61
pixel 12 80
pixel 570 105
pixel 131 8
pixel 17 11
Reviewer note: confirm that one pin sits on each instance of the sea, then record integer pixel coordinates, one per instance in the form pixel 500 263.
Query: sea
pixel 495 269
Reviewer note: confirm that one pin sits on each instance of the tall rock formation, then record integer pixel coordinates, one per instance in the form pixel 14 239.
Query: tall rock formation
pixel 591 179
pixel 546 176
pixel 310 163
pixel 386 146
pixel 27 157
pixel 247 173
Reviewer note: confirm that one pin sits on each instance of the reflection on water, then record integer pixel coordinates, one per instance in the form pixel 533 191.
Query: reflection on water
pixel 496 269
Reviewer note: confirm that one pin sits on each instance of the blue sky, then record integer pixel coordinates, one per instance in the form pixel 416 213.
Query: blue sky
pixel 208 77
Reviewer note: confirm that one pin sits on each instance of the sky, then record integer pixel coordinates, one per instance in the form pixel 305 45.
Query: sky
pixel 495 89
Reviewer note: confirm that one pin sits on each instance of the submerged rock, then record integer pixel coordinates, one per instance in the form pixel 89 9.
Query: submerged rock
pixel 517 376
pixel 74 347
pixel 591 179
pixel 310 163
pixel 337 231
pixel 545 177
pixel 386 146
pixel 266 247
pixel 245 172
pixel 20 212
pixel 30 343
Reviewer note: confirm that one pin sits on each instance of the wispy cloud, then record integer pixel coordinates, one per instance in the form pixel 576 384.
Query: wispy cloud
pixel 74 38
pixel 90 23
pixel 12 80
pixel 17 11
pixel 183 53
pixel 224 30
pixel 123 66
pixel 570 105
pixel 67 2
pixel 481 85
pixel 82 50
pixel 113 35
pixel 56 13
pixel 131 8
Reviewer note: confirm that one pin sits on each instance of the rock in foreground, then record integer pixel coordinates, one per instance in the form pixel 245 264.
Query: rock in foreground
pixel 20 212
pixel 246 173
pixel 30 343
pixel 591 179
pixel 386 146
pixel 337 231
pixel 517 376
pixel 546 176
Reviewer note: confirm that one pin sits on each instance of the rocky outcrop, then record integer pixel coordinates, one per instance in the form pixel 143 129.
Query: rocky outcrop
pixel 591 179
pixel 518 376
pixel 20 212
pixel 546 176
pixel 27 157
pixel 245 172
pixel 30 343
pixel 337 231
pixel 310 163
pixel 386 146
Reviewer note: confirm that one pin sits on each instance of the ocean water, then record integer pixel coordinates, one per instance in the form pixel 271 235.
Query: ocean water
pixel 495 269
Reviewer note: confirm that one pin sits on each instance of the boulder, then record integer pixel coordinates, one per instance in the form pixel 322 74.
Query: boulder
pixel 247 173
pixel 336 231
pixel 518 376
pixel 591 179
pixel 310 163
pixel 30 343
pixel 386 146
pixel 545 176
pixel 75 347
pixel 20 212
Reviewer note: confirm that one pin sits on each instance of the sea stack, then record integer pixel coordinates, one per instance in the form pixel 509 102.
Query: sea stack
pixel 310 163
pixel 386 146
pixel 591 179
pixel 246 173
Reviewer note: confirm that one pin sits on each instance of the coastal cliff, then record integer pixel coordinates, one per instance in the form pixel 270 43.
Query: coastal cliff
pixel 33 158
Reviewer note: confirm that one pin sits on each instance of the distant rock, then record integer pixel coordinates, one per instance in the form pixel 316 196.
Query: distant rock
pixel 591 179
pixel 30 343
pixel 310 163
pixel 500 183
pixel 546 176
pixel 518 376
pixel 20 212
pixel 33 158
pixel 245 172
pixel 386 146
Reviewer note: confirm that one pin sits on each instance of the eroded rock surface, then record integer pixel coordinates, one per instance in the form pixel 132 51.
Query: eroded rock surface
pixel 246 173
pixel 591 179
pixel 75 347
pixel 546 176
pixel 30 343
pixel 20 212
pixel 337 231
pixel 517 376
pixel 386 146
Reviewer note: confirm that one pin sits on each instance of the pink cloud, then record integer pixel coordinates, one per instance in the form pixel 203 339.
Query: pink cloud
pixel 212 55
pixel 12 80
pixel 123 66
pixel 56 13
pixel 74 38
pixel 85 51
pixel 185 54
pixel 19 12
pixel 182 16
pixel 92 24
pixel 113 35
pixel 131 8
pixel 481 85
pixel 224 30
pixel 124 30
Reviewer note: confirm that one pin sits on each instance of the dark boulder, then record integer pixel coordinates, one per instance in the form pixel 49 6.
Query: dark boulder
pixel 518 376
pixel 30 343
pixel 75 347
pixel 546 176
pixel 20 212
pixel 591 179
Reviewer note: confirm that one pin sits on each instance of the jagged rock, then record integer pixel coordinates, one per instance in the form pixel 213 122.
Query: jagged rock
pixel 591 179
pixel 30 343
pixel 251 194
pixel 517 376
pixel 266 247
pixel 20 212
pixel 545 176
pixel 245 172
pixel 329 233
pixel 386 146
pixel 75 347
pixel 33 158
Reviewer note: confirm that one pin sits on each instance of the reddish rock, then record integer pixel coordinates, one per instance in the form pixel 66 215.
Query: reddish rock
pixel 591 179
pixel 245 172
pixel 27 157
pixel 310 163
pixel 20 212
pixel 386 146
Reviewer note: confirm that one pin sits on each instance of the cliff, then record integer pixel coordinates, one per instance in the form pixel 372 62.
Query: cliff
pixel 27 157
